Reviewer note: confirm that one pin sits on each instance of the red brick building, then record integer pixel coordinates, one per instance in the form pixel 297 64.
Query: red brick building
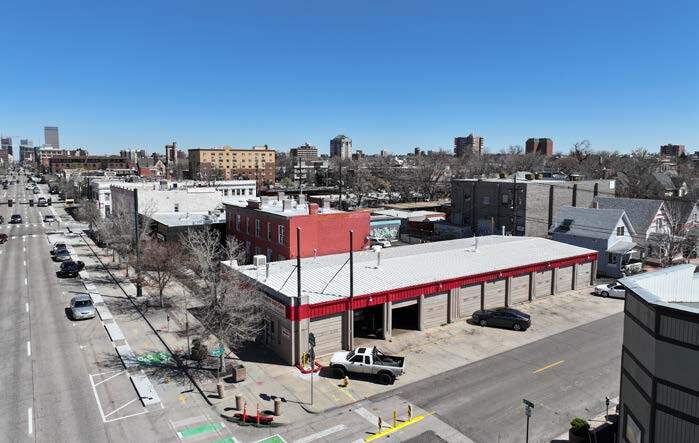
pixel 269 228
pixel 540 146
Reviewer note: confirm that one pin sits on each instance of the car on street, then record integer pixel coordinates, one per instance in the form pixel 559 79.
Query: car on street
pixel 2 219
pixel 41 202
pixel 16 218
pixel 36 190
pixel 61 255
pixel 49 218
pixel 611 290
pixel 71 268
pixel 379 241
pixel 370 361
pixel 81 307
pixel 29 187
pixel 57 247
pixel 503 317
pixel 3 238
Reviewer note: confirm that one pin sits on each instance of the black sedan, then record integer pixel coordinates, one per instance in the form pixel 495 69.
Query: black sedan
pixel 16 218
pixel 71 268
pixel 504 318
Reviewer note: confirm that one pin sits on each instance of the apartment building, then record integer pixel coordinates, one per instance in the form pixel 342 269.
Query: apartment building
pixel 229 163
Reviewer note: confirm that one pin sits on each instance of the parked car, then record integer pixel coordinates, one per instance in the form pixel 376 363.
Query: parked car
pixel 503 317
pixel 81 307
pixel 611 290
pixel 61 255
pixel 29 187
pixel 36 190
pixel 16 218
pixel 379 241
pixel 49 218
pixel 368 360
pixel 2 219
pixel 3 238
pixel 71 268
pixel 58 247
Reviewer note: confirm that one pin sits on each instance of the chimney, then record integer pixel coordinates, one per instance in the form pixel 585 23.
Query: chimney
pixel 312 208
pixel 377 249
pixel 253 204
pixel 286 205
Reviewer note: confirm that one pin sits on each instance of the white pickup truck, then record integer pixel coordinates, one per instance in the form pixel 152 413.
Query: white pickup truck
pixel 368 360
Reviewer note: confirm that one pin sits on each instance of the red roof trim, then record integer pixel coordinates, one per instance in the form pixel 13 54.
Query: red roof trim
pixel 295 313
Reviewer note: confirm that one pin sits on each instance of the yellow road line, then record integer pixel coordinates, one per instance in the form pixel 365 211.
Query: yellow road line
pixel 397 428
pixel 548 366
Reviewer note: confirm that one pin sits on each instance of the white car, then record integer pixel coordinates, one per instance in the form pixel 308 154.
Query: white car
pixel 379 241
pixel 611 290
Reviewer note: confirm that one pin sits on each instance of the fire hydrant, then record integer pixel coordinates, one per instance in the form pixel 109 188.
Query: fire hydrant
pixel 345 382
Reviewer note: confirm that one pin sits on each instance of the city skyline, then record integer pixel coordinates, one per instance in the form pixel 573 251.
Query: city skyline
pixel 406 80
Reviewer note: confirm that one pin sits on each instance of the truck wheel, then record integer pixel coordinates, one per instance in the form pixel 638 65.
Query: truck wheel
pixel 483 323
pixel 385 378
pixel 339 372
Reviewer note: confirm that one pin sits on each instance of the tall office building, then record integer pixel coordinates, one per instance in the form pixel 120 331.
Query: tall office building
pixel 6 145
pixel 472 144
pixel 26 150
pixel 672 150
pixel 51 136
pixel 341 146
pixel 304 152
pixel 171 153
pixel 540 146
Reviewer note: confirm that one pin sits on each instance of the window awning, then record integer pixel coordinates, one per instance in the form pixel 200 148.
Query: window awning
pixel 621 247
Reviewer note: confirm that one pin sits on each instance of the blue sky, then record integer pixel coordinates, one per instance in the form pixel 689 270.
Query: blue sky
pixel 389 74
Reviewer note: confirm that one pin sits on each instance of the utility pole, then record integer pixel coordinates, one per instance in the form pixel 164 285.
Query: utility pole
pixel 350 312
pixel 340 183
pixel 137 244
pixel 514 206
pixel 528 406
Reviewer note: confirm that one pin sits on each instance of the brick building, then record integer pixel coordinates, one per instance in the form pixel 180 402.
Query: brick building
pixel 472 144
pixel 540 146
pixel 488 205
pixel 672 150
pixel 268 227
pixel 258 163
pixel 88 162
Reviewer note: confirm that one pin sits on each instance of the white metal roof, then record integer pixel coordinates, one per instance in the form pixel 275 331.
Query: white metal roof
pixel 326 278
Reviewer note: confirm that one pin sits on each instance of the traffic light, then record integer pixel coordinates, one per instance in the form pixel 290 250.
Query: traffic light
pixel 9 202
pixel 31 202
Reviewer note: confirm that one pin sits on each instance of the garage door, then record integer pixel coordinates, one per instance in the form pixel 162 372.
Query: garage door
pixel 328 333
pixel 519 289
pixel 434 310
pixel 543 283
pixel 404 303
pixel 564 279
pixel 494 293
pixel 469 300
pixel 584 275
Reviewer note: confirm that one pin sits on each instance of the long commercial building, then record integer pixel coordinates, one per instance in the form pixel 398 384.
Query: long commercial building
pixel 414 287
pixel 258 163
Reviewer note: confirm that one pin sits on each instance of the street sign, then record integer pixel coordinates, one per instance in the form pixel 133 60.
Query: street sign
pixel 217 352
pixel 311 339
pixel 528 403
pixel 527 410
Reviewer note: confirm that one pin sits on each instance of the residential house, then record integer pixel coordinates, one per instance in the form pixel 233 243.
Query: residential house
pixel 667 185
pixel 608 231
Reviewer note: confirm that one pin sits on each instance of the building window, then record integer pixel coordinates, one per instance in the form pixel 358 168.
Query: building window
pixel 659 224
pixel 177 207
pixel 269 255
pixel 281 235
pixel 620 231
pixel 612 259
pixel 269 231
pixel 225 192
pixel 237 222
pixel 257 227
pixel 250 191
pixel 258 250
pixel 632 430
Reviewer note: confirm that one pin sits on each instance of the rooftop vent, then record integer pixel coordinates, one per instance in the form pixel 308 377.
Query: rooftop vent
pixel 259 261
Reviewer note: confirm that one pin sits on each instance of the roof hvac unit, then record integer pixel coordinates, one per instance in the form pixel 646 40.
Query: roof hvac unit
pixel 259 260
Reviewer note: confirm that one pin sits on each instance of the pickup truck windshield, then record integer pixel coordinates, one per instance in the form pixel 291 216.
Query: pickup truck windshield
pixel 350 355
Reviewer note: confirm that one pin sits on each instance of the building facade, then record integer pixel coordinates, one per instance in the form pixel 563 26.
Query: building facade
pixel 659 390
pixel 488 205
pixel 6 145
pixel 539 146
pixel 393 289
pixel 51 137
pixel 672 150
pixel 341 146
pixel 469 145
pixel 228 163
pixel 304 152
pixel 269 228
pixel 89 162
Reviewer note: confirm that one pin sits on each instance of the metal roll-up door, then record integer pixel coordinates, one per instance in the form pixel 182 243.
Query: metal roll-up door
pixel 328 333
pixel 564 279
pixel 495 293
pixel 434 310
pixel 469 300
pixel 404 303
pixel 519 289
pixel 543 283
pixel 584 275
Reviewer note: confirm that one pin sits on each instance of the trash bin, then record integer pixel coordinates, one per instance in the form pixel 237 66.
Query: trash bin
pixel 238 373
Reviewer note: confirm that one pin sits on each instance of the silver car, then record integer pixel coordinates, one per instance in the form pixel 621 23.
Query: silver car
pixel 81 307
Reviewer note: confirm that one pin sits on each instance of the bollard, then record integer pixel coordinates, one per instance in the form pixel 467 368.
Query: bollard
pixel 277 407
pixel 345 382
pixel 410 412
pixel 380 424
pixel 395 420
pixel 220 390
pixel 238 402
pixel 245 412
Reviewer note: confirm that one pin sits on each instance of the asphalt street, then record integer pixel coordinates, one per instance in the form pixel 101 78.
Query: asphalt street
pixel 565 375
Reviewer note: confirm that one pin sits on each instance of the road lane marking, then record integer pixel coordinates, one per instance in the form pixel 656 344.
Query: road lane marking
pixel 29 349
pixel 25 281
pixel 30 425
pixel 121 407
pixel 25 263
pixel 321 434
pixel 27 306
pixel 368 416
pixel 548 366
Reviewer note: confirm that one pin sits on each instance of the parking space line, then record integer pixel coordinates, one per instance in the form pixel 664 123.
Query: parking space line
pixel 548 366
pixel 29 349
pixel 109 378
pixel 30 421
pixel 120 407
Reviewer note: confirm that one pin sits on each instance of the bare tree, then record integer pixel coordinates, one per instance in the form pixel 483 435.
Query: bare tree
pixel 234 308
pixel 674 243
pixel 161 264
pixel 89 213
